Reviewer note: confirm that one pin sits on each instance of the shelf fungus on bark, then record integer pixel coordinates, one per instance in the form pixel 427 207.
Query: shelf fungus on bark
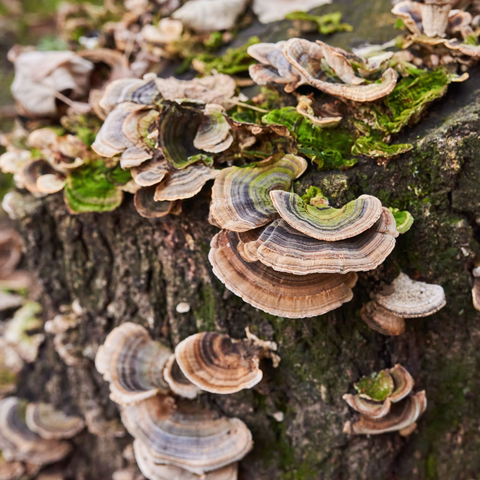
pixel 186 434
pixel 273 66
pixel 147 207
pixel 217 363
pixel 307 57
pixel 213 134
pixel 476 288
pixel 133 363
pixel 304 107
pixel 10 470
pixel 179 384
pixel 386 403
pixel 436 25
pixel 19 443
pixel 40 178
pixel 52 424
pixel 377 392
pixel 240 195
pixel 404 298
pixel 22 331
pixel 151 172
pixel 43 77
pixel 277 293
pixel 155 471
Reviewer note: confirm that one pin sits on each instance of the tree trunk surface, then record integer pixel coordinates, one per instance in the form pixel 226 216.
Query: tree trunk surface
pixel 124 268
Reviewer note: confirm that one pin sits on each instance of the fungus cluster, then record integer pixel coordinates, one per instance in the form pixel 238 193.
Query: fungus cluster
pixel 403 298
pixel 386 403
pixel 284 255
pixel 175 435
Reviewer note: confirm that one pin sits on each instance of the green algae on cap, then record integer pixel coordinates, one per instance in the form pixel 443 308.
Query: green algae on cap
pixel 376 387
pixel 325 24
pixel 240 195
pixel 88 189
pixel 404 219
pixel 370 147
pixel 324 222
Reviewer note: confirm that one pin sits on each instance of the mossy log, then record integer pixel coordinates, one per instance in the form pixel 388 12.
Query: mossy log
pixel 121 267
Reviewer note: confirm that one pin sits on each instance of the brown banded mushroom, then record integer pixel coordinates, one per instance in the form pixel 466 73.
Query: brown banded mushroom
pixel 304 108
pixel 213 134
pixel 381 320
pixel 151 172
pixel 179 384
pixel 133 364
pixel 18 442
pixel 187 435
pixel 10 470
pixel 378 392
pixel 218 364
pixel 147 207
pixel 155 471
pixel 52 424
pixel 240 196
pixel 476 288
pixel 10 250
pixel 277 293
pixel 306 57
pixel 402 417
pixel 287 250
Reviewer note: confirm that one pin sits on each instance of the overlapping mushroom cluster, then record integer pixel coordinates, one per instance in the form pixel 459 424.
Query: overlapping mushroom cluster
pixel 174 435
pixel 403 298
pixel 288 257
pixel 386 403
pixel 33 435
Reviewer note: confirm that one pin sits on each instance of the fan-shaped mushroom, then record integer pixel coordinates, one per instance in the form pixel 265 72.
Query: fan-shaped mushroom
pixel 147 207
pixel 150 172
pixel 240 196
pixel 177 381
pixel 187 435
pixel 476 288
pixel 18 442
pixel 133 364
pixel 274 10
pixel 213 134
pixel 277 293
pixel 49 423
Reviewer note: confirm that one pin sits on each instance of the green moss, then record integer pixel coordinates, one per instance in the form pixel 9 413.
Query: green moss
pixel 327 24
pixel 313 192
pixel 88 189
pixel 371 147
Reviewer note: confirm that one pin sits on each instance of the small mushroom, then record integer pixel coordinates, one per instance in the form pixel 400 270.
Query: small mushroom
pixel 210 15
pixel 52 424
pixel 150 172
pixel 304 108
pixel 186 183
pixel 147 207
pixel 274 10
pixel 326 223
pixel 306 57
pixel 133 364
pixel 288 250
pixel 213 134
pixel 18 442
pixel 241 196
pixel 178 382
pixel 218 364
pixel 167 31
pixel 187 435
pixel 476 288
pixel 11 365
pixel 155 471
pixel 10 470
pixel 382 320
pixel 10 251
pixel 277 293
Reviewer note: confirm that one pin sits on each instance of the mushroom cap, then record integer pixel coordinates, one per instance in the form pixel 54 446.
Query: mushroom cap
pixel 10 470
pixel 126 90
pixel 476 293
pixel 240 195
pixel 178 382
pixel 11 365
pixel 187 435
pixel 213 134
pixel 382 320
pixel 18 442
pixel 306 56
pixel 367 407
pixel 33 171
pixel 133 364
pixel 324 222
pixel 435 18
pixel 411 14
pixel 49 423
pixel 50 183
pixel 287 250
pixel 411 299
pixel 147 207
pixel 150 172
pixel 403 381
pixel 277 293
pixel 401 416
pixel 218 364
pixel 274 10
pixel 10 250
pixel 185 183
pixel 376 387
pixel 154 471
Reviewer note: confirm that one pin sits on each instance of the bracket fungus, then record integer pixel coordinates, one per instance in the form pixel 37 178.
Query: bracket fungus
pixel 187 435
pixel 10 470
pixel 18 442
pixel 386 403
pixel 52 424
pixel 240 195
pixel 133 364
pixel 179 384
pixel 307 57
pixel 476 288
pixel 403 298
pixel 218 364
pixel 147 207
pixel 277 293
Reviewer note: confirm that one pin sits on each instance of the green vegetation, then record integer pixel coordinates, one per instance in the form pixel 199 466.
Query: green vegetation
pixel 372 147
pixel 378 386
pixel 313 192
pixel 403 219
pixel 326 24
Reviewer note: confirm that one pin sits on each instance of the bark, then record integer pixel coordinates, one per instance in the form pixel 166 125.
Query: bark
pixel 121 267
